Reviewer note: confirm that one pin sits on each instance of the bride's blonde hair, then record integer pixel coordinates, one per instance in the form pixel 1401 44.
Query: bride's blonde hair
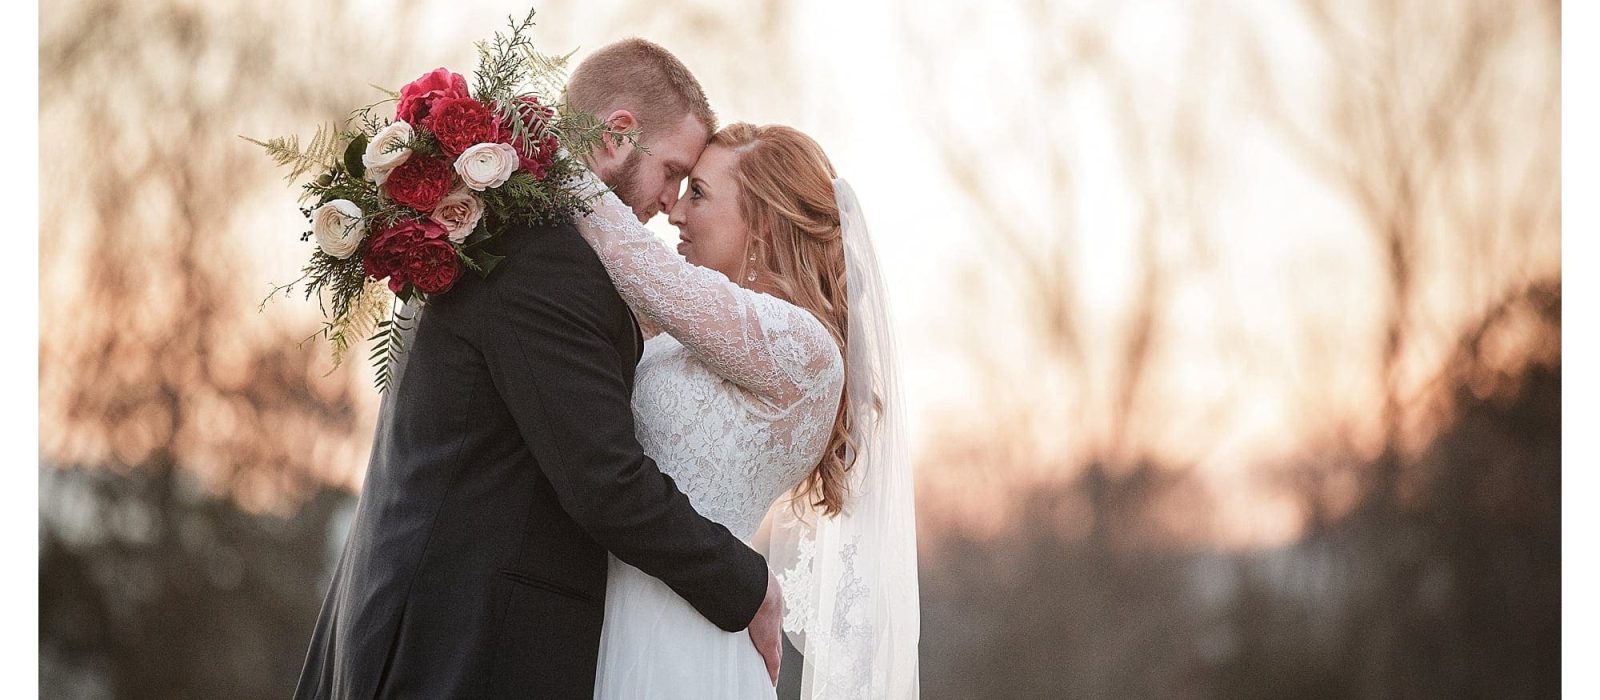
pixel 786 198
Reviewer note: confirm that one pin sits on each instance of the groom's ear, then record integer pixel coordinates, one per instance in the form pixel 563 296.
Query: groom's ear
pixel 619 122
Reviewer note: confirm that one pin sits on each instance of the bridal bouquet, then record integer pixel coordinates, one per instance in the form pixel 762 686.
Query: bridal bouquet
pixel 401 206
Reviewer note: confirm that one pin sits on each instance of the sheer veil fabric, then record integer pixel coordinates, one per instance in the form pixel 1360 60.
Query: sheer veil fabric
pixel 850 581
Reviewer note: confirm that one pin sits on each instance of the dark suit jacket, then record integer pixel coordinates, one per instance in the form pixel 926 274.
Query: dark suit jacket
pixel 503 469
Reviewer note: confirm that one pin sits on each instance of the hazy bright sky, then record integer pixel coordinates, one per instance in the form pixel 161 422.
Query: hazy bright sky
pixel 1287 253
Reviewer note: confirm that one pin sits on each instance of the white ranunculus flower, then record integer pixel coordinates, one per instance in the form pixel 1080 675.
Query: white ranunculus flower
pixel 338 228
pixel 458 213
pixel 379 159
pixel 487 165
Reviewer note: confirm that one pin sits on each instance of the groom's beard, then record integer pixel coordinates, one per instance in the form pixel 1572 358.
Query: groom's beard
pixel 626 183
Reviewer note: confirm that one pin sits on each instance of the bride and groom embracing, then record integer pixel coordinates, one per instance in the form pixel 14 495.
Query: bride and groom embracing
pixel 606 470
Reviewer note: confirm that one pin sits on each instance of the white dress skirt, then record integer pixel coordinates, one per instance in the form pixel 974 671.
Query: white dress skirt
pixel 655 645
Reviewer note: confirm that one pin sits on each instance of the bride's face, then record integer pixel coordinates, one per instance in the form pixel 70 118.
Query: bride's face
pixel 710 231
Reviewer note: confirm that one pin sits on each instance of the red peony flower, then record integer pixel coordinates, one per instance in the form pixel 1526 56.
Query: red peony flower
pixel 432 265
pixel 460 123
pixel 534 117
pixel 538 161
pixel 420 182
pixel 417 97
pixel 414 252
pixel 384 256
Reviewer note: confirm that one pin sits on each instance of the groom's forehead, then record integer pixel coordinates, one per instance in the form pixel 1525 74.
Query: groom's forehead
pixel 691 135
pixel 680 161
pixel 678 167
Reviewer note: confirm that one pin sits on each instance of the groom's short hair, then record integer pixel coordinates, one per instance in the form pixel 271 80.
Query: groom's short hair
pixel 643 78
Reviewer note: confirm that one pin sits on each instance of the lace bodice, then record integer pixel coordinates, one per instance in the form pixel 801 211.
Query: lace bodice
pixel 736 396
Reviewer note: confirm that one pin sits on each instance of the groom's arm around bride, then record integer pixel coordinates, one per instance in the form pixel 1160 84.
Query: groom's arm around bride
pixel 555 357
pixel 504 467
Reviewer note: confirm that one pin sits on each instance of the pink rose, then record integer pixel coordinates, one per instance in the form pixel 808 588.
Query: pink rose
pixel 458 213
pixel 417 97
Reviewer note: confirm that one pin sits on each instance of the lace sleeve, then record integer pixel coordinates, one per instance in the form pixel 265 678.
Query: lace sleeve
pixel 774 349
pixel 646 328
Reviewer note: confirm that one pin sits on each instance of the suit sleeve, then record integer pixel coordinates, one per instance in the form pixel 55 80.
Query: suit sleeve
pixel 553 359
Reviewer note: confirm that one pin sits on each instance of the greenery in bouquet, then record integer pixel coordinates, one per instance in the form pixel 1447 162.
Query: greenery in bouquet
pixel 401 206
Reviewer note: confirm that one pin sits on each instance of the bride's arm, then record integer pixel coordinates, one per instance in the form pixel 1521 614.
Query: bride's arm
pixel 714 318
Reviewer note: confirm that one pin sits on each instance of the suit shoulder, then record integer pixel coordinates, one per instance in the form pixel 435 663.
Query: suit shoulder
pixel 553 264
pixel 556 246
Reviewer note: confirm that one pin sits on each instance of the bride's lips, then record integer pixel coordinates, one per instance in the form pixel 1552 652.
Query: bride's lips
pixel 682 244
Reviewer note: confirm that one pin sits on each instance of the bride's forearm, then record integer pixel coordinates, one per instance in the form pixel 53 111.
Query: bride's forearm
pixel 714 318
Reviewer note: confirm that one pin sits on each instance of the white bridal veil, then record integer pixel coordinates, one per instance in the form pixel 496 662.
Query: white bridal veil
pixel 850 581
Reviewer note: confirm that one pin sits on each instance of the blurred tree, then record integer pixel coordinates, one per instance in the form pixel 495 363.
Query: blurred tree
pixel 1085 592
pixel 1456 590
pixel 190 444
pixel 1438 125
pixel 1096 367
pixel 220 607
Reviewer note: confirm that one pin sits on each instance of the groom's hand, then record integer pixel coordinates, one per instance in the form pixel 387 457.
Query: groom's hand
pixel 766 629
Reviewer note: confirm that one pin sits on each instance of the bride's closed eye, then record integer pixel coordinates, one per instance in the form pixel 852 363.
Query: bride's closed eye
pixel 697 188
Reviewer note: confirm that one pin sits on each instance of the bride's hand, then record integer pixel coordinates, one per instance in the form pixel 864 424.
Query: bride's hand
pixel 766 629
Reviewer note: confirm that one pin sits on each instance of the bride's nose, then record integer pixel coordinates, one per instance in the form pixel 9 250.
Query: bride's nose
pixel 677 215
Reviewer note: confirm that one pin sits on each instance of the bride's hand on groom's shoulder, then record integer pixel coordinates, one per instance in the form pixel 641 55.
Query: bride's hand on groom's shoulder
pixel 766 629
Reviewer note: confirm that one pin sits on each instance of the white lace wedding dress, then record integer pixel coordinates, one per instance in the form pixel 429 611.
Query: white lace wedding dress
pixel 734 399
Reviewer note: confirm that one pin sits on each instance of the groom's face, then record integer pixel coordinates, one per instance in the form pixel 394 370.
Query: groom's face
pixel 649 182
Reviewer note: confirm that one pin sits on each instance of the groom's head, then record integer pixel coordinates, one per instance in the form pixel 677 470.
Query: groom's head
pixel 635 84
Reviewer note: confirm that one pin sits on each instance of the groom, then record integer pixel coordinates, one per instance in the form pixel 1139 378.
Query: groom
pixel 505 465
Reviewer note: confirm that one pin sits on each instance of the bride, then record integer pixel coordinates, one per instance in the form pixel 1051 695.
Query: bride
pixel 766 391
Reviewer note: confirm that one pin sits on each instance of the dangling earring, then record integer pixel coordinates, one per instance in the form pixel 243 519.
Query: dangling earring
pixel 752 268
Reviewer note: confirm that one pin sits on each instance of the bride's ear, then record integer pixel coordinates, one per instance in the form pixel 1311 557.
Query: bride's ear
pixel 618 123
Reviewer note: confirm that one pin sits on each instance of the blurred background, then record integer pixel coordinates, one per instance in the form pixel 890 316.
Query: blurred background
pixel 1232 327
